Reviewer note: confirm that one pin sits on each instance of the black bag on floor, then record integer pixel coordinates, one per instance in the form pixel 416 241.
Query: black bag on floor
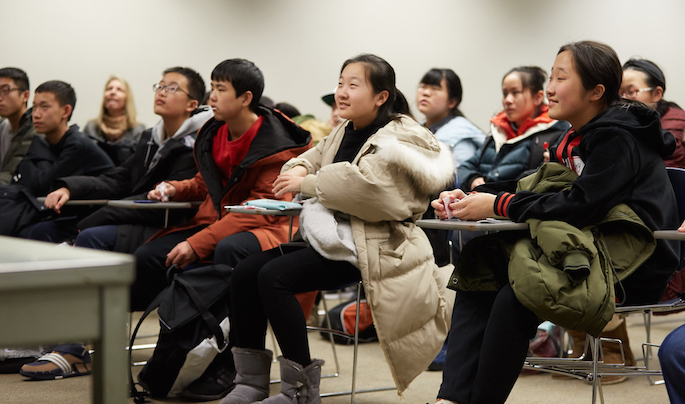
pixel 194 325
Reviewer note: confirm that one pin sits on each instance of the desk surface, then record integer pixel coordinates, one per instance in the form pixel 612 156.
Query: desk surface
pixel 468 225
pixel 35 264
pixel 77 202
pixel 262 211
pixel 55 294
pixel 131 204
pixel 669 235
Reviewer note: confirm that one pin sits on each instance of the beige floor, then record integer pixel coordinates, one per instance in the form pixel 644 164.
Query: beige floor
pixel 373 372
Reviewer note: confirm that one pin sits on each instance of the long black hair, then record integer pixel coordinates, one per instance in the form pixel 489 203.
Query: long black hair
pixel 382 78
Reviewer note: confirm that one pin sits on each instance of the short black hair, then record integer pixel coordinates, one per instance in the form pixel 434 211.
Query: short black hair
pixel 244 76
pixel 17 75
pixel 64 93
pixel 196 85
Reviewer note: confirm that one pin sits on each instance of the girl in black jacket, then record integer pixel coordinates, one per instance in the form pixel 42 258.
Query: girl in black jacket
pixel 617 149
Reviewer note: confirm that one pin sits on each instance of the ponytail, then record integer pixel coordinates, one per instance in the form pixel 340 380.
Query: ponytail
pixel 381 76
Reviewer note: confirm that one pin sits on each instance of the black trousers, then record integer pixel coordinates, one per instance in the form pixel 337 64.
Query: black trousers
pixel 487 345
pixel 263 287
pixel 151 256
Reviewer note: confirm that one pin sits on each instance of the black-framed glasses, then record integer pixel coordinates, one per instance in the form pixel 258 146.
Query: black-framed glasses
pixel 5 90
pixel 169 89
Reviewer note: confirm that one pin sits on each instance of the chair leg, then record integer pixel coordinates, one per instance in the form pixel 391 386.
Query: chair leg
pixel 356 343
pixel 330 337
pixel 596 378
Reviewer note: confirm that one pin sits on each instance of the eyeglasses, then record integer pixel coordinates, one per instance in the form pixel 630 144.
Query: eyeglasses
pixel 4 91
pixel 634 93
pixel 169 89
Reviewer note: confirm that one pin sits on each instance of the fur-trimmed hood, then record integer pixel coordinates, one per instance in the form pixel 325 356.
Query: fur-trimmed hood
pixel 430 169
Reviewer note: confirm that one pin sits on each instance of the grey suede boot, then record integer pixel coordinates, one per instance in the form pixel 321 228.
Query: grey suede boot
pixel 298 385
pixel 253 367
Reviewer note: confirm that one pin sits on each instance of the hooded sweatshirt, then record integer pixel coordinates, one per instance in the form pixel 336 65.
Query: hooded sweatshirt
pixel 619 159
pixel 189 127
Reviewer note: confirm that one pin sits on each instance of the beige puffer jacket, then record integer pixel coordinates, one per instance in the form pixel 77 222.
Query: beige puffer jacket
pixel 385 189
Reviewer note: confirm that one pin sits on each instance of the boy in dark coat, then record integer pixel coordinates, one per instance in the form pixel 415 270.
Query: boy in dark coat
pixel 163 152
pixel 63 151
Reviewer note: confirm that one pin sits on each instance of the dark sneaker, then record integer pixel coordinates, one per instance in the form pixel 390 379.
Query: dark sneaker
pixel 214 384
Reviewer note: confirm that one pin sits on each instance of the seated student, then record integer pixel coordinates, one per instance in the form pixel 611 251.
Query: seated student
pixel 116 129
pixel 517 134
pixel 163 152
pixel 238 155
pixel 371 179
pixel 645 82
pixel 438 98
pixel 63 152
pixel 616 150
pixel 16 130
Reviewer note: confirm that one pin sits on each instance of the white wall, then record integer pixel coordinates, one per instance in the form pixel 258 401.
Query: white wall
pixel 301 44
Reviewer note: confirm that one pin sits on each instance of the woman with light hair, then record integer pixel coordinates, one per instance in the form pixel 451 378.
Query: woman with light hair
pixel 116 129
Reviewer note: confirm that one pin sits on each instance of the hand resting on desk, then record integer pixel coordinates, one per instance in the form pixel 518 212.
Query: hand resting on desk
pixel 476 206
pixel 156 194
pixel 57 198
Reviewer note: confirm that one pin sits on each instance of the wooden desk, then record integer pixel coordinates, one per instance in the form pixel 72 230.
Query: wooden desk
pixel 54 294
pixel 290 212
pixel 131 204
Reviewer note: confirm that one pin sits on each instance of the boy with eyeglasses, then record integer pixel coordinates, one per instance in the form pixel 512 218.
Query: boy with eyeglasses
pixel 164 152
pixel 16 129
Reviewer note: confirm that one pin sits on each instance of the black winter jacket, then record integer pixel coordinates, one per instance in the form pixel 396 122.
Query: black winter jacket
pixel 74 154
pixel 133 180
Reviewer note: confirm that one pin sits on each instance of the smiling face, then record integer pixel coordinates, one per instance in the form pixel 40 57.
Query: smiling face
pixel 355 97
pixel 115 98
pixel 568 99
pixel 49 117
pixel 176 104
pixel 518 102
pixel 434 101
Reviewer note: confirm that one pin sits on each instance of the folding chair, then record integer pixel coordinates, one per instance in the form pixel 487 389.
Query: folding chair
pixel 353 391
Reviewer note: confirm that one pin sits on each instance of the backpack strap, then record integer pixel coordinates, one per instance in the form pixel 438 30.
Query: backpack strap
pixel 140 396
pixel 209 318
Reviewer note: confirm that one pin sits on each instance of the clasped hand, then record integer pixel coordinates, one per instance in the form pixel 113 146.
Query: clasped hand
pixel 476 206
pixel 289 181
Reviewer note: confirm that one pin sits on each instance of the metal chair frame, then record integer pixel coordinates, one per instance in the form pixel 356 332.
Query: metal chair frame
pixel 593 370
pixel 353 391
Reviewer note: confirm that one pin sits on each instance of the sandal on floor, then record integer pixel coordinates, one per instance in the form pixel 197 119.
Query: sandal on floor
pixel 64 361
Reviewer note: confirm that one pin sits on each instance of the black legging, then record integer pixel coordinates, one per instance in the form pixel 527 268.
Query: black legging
pixel 487 345
pixel 263 287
